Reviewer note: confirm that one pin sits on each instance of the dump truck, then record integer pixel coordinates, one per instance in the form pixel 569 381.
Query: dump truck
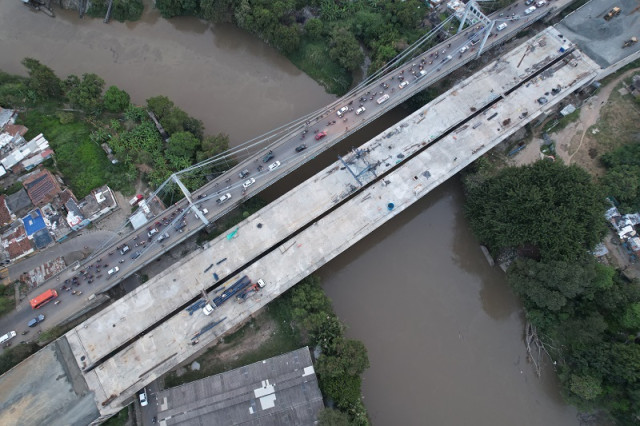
pixel 630 42
pixel 612 13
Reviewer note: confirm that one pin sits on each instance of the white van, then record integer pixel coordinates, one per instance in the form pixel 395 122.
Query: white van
pixel 501 26
pixel 382 99
pixel 10 335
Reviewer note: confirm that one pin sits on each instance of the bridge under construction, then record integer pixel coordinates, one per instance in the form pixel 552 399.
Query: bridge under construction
pixel 95 369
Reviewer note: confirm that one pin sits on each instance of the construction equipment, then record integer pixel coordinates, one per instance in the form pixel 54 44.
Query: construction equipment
pixel 630 42
pixel 254 288
pixel 612 13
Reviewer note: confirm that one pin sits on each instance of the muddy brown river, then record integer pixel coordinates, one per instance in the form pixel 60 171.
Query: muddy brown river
pixel 443 330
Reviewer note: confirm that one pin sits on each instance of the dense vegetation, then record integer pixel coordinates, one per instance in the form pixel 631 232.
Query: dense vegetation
pixel 586 315
pixel 96 117
pixel 622 180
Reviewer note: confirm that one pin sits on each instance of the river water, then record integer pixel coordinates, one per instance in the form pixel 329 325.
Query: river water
pixel 219 74
pixel 443 330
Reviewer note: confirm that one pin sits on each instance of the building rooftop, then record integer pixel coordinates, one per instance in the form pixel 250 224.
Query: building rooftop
pixel 277 391
pixel 42 188
pixel 33 222
pixel 19 202
pixel 16 129
pixel 6 116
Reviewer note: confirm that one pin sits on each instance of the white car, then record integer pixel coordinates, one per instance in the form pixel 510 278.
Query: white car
pixel 143 398
pixel 248 183
pixel 342 110
pixel 274 166
pixel 10 335
pixel 203 211
pixel 113 270
pixel 360 110
pixel 501 26
pixel 403 84
pixel 530 10
pixel 207 309
pixel 464 49
pixel 224 198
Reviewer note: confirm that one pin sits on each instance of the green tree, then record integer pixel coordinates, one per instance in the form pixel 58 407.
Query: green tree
pixel 550 285
pixel 586 387
pixel 286 38
pixel 552 208
pixel 116 100
pixel 313 28
pixel 42 80
pixel 212 145
pixel 86 93
pixel 345 49
pixel 631 318
pixel 350 358
pixel 343 390
pixel 331 417
pixel 183 145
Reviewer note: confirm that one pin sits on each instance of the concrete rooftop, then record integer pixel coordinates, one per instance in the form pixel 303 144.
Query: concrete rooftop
pixel 277 391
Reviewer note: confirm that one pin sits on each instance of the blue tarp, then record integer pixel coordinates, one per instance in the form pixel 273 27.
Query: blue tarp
pixel 33 222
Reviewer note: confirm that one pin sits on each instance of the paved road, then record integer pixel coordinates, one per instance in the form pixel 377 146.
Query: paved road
pixel 143 246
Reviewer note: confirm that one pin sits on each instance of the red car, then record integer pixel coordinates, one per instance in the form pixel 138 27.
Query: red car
pixel 321 135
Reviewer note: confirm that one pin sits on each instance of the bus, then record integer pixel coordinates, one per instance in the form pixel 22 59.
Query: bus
pixel 45 297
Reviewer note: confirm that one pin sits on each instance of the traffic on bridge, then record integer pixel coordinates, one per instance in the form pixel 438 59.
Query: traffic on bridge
pixel 264 162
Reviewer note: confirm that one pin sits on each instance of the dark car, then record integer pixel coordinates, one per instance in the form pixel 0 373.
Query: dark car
pixel 136 254
pixel 267 157
pixel 37 320
pixel 542 100
pixel 243 174
pixel 301 148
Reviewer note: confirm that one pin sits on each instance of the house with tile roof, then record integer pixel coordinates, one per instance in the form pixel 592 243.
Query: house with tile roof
pixel 42 188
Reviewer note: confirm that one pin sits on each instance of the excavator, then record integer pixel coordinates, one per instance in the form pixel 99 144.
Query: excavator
pixel 612 13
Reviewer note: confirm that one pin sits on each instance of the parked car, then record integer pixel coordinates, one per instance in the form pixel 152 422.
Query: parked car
pixel 143 398
pixel 10 335
pixel 274 166
pixel 301 148
pixel 35 321
pixel 248 183
pixel 321 135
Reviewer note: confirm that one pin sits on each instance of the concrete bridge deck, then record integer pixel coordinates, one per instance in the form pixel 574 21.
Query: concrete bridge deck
pixel 150 303
pixel 170 343
pixel 120 375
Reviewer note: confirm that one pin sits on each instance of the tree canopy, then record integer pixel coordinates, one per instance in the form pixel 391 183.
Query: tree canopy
pixel 42 80
pixel 555 209
pixel 116 100
pixel 86 93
